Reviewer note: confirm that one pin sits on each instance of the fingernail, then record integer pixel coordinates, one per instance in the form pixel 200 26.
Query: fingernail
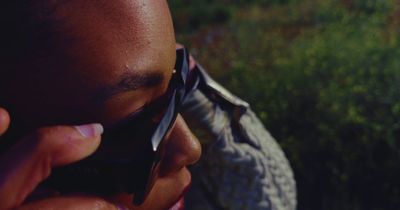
pixel 120 206
pixel 90 130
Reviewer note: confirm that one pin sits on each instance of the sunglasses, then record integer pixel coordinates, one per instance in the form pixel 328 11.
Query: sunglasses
pixel 128 159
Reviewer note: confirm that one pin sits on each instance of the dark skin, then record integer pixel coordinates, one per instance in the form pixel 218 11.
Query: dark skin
pixel 121 58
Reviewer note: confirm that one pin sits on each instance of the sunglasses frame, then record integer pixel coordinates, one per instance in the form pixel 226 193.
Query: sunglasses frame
pixel 167 121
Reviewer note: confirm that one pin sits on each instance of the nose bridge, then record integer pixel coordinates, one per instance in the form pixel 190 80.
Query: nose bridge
pixel 182 148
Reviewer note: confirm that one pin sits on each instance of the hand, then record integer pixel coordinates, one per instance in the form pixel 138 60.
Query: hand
pixel 31 159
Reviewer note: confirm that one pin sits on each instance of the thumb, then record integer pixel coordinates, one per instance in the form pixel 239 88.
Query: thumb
pixel 72 144
pixel 30 161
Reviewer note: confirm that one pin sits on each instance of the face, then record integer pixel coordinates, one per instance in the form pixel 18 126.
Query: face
pixel 114 58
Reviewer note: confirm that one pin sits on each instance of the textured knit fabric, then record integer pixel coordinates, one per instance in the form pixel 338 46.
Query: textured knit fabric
pixel 242 166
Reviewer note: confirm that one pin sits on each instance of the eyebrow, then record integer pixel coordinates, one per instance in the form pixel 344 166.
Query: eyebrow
pixel 129 82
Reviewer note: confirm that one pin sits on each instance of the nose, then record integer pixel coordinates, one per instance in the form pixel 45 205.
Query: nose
pixel 182 148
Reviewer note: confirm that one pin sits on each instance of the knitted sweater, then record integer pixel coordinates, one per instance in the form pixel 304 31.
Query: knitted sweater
pixel 242 166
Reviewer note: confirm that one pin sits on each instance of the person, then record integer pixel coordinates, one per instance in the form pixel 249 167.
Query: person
pixel 70 68
pixel 75 71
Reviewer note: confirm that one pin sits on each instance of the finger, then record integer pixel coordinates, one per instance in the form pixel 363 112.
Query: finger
pixel 178 46
pixel 30 161
pixel 71 203
pixel 4 121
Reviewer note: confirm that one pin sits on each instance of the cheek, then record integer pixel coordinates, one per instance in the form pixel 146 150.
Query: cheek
pixel 165 193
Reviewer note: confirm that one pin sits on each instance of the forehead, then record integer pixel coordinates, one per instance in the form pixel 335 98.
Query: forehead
pixel 103 42
pixel 118 29
pixel 119 37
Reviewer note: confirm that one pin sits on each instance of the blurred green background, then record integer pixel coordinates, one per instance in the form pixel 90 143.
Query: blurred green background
pixel 323 76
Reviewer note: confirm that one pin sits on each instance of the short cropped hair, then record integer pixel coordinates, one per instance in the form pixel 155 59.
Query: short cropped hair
pixel 27 29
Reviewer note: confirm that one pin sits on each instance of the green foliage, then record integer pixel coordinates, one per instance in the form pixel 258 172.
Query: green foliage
pixel 196 14
pixel 324 77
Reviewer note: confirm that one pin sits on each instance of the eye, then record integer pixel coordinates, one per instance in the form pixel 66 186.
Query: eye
pixel 158 116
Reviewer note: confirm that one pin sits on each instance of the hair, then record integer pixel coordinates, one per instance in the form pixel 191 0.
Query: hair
pixel 28 30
